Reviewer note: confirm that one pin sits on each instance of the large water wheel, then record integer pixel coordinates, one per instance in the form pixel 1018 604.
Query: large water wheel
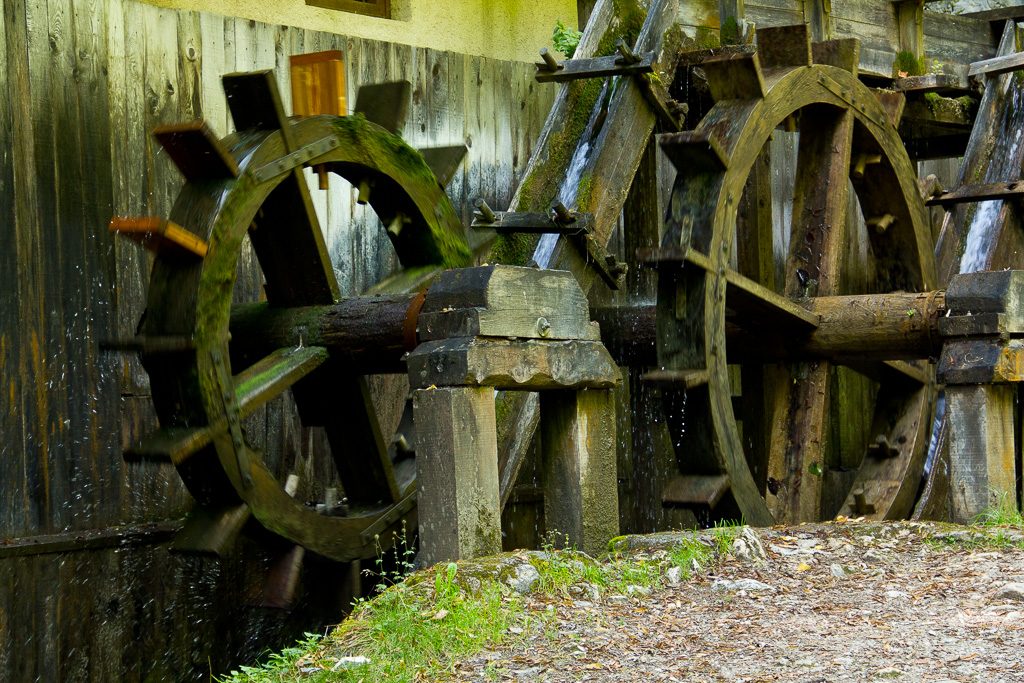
pixel 213 361
pixel 776 415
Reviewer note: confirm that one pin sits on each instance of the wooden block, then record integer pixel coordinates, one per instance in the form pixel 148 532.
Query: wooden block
pixel 734 77
pixel 318 83
pixel 842 53
pixel 693 490
pixel 507 364
pixel 506 301
pixel 998 291
pixel 386 104
pixel 597 67
pixel 255 102
pixel 980 432
pixel 692 151
pixel 579 461
pixel 168 445
pixel 947 85
pixel 676 379
pixel 981 361
pixel 211 531
pixel 978 193
pixel 457 473
pixel 444 161
pixel 980 324
pixel 782 46
pixel 160 235
pixel 196 151
pixel 1003 64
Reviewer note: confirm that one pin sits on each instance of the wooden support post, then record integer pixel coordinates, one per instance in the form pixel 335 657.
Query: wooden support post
pixel 982 463
pixel 457 473
pixel 580 486
pixel 818 16
pixel 910 24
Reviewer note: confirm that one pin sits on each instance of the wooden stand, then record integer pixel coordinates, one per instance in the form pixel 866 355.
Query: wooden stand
pixel 532 332
pixel 981 362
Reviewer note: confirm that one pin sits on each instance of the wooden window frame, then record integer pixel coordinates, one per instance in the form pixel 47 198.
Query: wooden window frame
pixel 370 8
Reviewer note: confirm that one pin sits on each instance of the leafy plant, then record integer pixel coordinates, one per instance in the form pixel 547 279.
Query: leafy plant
pixel 565 39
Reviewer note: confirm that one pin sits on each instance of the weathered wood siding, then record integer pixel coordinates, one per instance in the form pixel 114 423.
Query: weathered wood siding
pixel 950 42
pixel 82 83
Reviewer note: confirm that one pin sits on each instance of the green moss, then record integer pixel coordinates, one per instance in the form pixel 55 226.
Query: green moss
pixel 446 244
pixel 706 39
pixel 584 190
pixel 906 62
pixel 730 31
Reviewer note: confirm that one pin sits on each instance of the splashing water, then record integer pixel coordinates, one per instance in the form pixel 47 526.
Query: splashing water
pixel 570 186
pixel 1003 166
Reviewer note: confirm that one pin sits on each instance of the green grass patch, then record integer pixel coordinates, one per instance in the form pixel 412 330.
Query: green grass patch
pixel 418 628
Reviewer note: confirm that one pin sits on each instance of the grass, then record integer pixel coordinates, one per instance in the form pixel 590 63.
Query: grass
pixel 418 628
pixel 999 527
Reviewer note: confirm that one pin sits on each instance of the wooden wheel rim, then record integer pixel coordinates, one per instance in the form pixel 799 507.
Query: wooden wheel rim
pixel 193 299
pixel 703 215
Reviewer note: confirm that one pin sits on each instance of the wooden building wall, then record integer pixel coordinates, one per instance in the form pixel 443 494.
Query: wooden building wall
pixel 82 82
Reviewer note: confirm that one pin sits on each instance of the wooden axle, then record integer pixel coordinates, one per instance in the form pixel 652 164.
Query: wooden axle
pixel 899 326
pixel 369 330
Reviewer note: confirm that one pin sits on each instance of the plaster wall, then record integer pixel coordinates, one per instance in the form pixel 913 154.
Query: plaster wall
pixel 499 29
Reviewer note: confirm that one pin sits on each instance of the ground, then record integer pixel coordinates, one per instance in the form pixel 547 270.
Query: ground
pixel 842 601
pixel 837 602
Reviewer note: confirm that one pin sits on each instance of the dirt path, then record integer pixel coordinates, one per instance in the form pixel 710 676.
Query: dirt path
pixel 836 602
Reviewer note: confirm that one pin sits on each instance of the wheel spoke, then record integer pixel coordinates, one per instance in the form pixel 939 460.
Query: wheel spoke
pixel 286 232
pixel 799 443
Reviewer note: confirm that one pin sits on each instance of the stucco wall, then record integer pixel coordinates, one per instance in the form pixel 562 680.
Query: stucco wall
pixel 500 29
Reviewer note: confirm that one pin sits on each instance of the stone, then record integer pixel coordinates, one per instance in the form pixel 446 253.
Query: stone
pixel 747 547
pixel 674 575
pixel 1011 591
pixel 523 579
pixel 838 571
pixel 739 585
pixel 350 663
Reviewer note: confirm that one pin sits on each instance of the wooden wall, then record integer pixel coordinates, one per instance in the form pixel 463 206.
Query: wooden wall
pixel 82 82
pixel 951 41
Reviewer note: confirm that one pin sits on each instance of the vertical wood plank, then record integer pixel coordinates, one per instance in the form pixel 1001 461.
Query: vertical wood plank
pixel 457 473
pixel 580 485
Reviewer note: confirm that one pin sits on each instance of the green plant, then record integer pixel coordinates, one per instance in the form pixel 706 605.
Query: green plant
pixel 277 663
pixel 565 39
pixel 1004 513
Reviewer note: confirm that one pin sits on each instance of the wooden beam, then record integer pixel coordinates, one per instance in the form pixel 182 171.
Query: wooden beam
pixel 534 223
pixel 196 151
pixel 596 67
pixel 978 193
pixel 995 66
pixel 676 379
pixel 695 490
pixel 160 235
pixel 507 364
pixel 947 85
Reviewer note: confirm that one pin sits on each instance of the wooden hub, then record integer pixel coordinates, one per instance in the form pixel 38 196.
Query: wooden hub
pixel 792 441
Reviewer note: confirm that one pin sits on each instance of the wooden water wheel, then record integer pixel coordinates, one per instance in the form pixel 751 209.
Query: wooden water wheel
pixel 212 363
pixel 778 413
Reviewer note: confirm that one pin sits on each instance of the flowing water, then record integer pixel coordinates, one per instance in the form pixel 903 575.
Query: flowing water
pixel 1004 166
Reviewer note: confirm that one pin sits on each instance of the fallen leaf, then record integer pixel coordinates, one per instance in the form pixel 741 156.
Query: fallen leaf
pixel 802 567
